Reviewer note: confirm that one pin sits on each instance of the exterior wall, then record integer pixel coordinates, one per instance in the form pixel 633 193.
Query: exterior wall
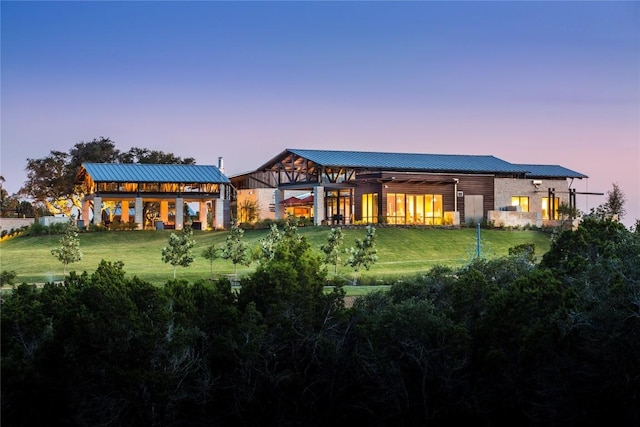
pixel 264 197
pixel 514 219
pixel 444 184
pixel 15 223
pixel 366 188
pixel 505 188
pixel 482 185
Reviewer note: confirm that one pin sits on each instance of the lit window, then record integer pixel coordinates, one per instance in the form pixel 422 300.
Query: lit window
pixel 414 208
pixel 370 207
pixel 546 208
pixel 521 201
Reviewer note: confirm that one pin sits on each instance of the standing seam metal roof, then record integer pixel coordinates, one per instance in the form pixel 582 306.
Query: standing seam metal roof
pixel 409 161
pixel 142 172
pixel 550 171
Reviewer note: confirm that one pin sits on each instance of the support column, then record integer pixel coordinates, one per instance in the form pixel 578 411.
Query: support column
pixel 97 210
pixel 124 211
pixel 179 213
pixel 203 214
pixel 318 205
pixel 164 211
pixel 138 208
pixel 86 208
pixel 218 214
pixel 279 197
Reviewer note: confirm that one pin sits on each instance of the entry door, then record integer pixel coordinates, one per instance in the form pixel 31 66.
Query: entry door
pixel 473 211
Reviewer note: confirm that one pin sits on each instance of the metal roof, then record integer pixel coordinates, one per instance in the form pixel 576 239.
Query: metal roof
pixel 550 171
pixel 408 161
pixel 142 172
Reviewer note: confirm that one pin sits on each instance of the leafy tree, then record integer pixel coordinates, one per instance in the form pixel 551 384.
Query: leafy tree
pixel 179 251
pixel 7 277
pixel 575 252
pixel 332 248
pixel 49 181
pixel 5 203
pixel 567 212
pixel 144 155
pixel 364 254
pixel 235 249
pixel 211 253
pixel 69 250
pixel 525 250
pixel 614 205
pixel 267 245
pixel 13 206
pixel 99 150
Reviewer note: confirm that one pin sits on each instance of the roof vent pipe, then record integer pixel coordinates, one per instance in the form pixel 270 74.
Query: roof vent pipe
pixel 221 164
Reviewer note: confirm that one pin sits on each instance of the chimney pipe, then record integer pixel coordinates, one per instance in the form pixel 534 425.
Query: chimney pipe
pixel 221 164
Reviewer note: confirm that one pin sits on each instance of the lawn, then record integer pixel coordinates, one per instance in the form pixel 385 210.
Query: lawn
pixel 401 252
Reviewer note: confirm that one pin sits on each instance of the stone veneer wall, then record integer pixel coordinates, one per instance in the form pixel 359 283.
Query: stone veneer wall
pixel 15 223
pixel 514 219
pixel 505 188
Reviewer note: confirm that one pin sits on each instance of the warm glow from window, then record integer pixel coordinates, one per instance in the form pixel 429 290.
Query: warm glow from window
pixel 521 201
pixel 414 208
pixel 546 208
pixel 370 207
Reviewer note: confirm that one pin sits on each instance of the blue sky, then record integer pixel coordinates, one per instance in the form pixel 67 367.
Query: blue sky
pixel 528 82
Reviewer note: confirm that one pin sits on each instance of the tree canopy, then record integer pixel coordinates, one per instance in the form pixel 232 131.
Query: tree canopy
pixel 499 341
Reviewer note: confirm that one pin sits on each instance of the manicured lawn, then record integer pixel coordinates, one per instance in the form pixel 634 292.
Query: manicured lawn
pixel 401 252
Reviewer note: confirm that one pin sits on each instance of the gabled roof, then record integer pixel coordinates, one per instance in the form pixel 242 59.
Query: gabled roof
pixel 142 172
pixel 401 161
pixel 550 171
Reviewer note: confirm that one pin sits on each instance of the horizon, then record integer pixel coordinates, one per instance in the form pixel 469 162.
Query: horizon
pixel 554 83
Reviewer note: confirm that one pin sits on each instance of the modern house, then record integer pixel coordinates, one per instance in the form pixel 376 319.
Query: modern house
pixel 336 187
pixel 155 195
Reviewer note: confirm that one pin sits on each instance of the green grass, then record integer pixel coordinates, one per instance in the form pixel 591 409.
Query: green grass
pixel 401 252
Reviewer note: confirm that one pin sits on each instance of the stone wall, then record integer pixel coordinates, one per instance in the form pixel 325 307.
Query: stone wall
pixel 15 223
pixel 514 219
pixel 505 188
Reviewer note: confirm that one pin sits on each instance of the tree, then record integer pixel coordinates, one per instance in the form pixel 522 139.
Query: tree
pixel 48 181
pixel 267 245
pixel 332 248
pixel 364 254
pixel 235 249
pixel 289 282
pixel 144 155
pixel 69 250
pixel 179 251
pixel 614 205
pixel 4 198
pixel 211 253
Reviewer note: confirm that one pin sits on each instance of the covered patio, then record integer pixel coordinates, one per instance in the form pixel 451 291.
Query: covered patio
pixel 155 195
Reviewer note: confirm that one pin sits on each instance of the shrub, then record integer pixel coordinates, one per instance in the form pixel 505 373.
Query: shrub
pixel 7 277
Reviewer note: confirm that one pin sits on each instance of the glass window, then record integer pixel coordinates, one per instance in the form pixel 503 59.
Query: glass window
pixel 521 201
pixel 411 210
pixel 370 207
pixel 433 209
pixel 414 208
pixel 419 215
pixel 546 208
pixel 396 208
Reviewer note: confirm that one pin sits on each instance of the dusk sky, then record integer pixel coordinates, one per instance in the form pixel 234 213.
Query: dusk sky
pixel 528 82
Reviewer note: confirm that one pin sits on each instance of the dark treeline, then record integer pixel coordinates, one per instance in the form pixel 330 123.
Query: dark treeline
pixel 499 342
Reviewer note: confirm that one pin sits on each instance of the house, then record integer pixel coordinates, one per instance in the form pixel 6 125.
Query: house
pixel 343 187
pixel 158 193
